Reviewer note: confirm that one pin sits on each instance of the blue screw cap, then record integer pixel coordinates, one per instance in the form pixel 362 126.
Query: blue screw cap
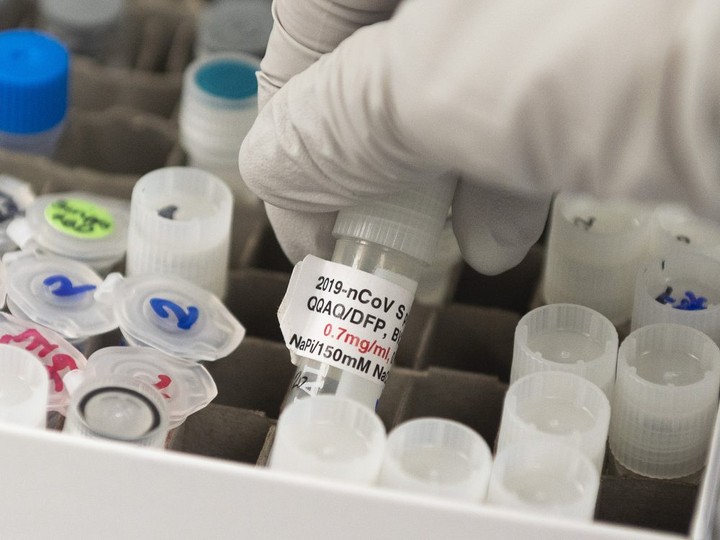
pixel 33 81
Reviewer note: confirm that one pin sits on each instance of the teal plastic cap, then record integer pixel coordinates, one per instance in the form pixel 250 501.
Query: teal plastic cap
pixel 33 81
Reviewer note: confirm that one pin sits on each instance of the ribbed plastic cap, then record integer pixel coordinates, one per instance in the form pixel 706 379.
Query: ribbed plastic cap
pixel 33 81
pixel 551 479
pixel 81 13
pixel 410 221
pixel 438 457
pixel 329 437
pixel 665 400
pixel 234 26
pixel 23 388
pixel 118 408
pixel 566 337
pixel 594 251
pixel 677 229
pixel 681 288
pixel 217 110
pixel 180 221
pixel 556 407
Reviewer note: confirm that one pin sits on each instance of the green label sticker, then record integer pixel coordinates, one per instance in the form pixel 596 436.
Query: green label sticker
pixel 79 218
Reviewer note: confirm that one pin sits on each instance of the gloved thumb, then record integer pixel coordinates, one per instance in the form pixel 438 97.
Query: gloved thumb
pixel 496 227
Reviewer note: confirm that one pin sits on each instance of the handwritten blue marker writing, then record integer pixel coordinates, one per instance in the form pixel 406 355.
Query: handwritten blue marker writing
pixel 65 286
pixel 185 318
pixel 691 302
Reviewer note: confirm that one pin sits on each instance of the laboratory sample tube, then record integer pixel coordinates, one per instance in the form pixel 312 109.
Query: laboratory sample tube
pixel 118 408
pixel 24 388
pixel 665 400
pixel 329 437
pixel 679 288
pixel 78 225
pixel 554 406
pixel 33 91
pixel 594 251
pixel 342 320
pixel 180 220
pixel 438 279
pixel 232 26
pixel 437 457
pixel 87 28
pixel 676 229
pixel 550 478
pixel 566 337
pixel 15 197
pixel 217 108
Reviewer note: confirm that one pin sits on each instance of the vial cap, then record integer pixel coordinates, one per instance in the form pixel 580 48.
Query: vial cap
pixel 57 293
pixel 55 353
pixel 33 81
pixel 410 221
pixel 233 26
pixel 181 219
pixel 665 400
pixel 681 288
pixel 185 386
pixel 172 315
pixel 118 408
pixel 439 457
pixel 80 14
pixel 78 225
pixel 23 388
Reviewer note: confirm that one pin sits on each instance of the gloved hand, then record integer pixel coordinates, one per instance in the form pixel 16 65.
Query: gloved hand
pixel 521 98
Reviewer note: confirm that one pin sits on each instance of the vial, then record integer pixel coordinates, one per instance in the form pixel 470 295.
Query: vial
pixel 234 26
pixel 86 28
pixel 217 108
pixel 33 91
pixel 118 408
pixel 385 245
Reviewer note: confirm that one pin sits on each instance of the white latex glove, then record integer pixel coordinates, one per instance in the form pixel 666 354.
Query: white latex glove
pixel 521 97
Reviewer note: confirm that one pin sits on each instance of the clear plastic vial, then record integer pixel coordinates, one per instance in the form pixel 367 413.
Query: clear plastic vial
pixel 33 91
pixel 87 28
pixel 393 239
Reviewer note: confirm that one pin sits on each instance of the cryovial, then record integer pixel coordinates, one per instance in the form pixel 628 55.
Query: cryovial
pixel 665 400
pixel 594 251
pixel 34 71
pixel 87 28
pixel 172 315
pixel 553 406
pixel 329 437
pixel 438 280
pixel 15 197
pixel 566 337
pixel 438 457
pixel 118 408
pixel 342 319
pixel 24 388
pixel 185 386
pixel 180 220
pixel 58 293
pixel 234 26
pixel 217 108
pixel 57 355
pixel 679 288
pixel 552 479
pixel 676 229
pixel 78 225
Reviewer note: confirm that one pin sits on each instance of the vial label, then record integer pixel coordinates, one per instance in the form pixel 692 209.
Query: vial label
pixel 79 218
pixel 344 317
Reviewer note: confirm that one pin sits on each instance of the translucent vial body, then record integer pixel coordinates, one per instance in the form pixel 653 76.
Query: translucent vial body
pixel 315 377
pixel 342 320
